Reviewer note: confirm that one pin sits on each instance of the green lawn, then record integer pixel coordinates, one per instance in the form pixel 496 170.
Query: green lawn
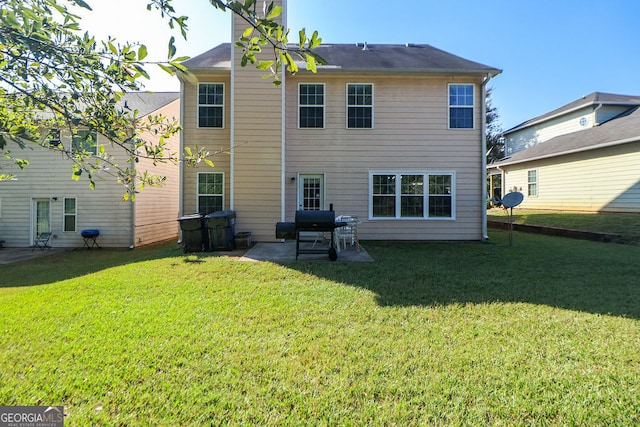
pixel 626 225
pixel 545 332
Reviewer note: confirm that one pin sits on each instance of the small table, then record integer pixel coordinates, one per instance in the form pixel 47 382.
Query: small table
pixel 90 237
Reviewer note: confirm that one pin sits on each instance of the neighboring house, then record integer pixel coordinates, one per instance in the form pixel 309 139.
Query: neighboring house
pixel 584 156
pixel 45 198
pixel 391 133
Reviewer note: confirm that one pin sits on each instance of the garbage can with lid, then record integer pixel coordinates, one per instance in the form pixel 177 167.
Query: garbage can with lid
pixel 221 230
pixel 194 235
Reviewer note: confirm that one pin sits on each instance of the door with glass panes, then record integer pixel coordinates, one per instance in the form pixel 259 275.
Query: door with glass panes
pixel 311 192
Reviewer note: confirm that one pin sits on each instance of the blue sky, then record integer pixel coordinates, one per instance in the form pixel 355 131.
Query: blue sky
pixel 551 52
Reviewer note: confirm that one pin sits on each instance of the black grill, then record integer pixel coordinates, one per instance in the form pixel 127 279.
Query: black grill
pixel 310 221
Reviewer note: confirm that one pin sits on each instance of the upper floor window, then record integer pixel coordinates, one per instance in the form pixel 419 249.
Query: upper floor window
pixel 85 141
pixel 359 106
pixel 311 102
pixel 532 183
pixel 210 192
pixel 210 105
pixel 412 196
pixel 460 106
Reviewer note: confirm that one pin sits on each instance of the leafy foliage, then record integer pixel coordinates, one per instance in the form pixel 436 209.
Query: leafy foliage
pixel 495 141
pixel 53 75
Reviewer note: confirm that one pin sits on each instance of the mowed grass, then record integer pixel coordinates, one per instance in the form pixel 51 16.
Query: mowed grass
pixel 545 332
pixel 625 225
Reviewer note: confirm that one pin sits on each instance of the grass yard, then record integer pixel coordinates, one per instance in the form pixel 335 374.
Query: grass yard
pixel 626 225
pixel 546 332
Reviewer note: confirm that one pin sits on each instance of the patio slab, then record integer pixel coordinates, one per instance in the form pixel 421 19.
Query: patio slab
pixel 11 255
pixel 286 252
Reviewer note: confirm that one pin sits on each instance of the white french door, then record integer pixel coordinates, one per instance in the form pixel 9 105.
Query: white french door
pixel 311 192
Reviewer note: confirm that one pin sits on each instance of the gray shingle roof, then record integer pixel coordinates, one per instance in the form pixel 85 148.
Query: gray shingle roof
pixel 622 129
pixel 376 57
pixel 148 102
pixel 593 99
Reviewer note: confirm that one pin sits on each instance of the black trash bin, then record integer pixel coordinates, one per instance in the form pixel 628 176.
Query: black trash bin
pixel 221 229
pixel 194 234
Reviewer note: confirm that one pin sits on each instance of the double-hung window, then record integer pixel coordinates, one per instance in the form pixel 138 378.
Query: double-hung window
pixel 461 106
pixel 70 214
pixel 210 192
pixel 359 106
pixel 210 105
pixel 311 105
pixel 532 183
pixel 420 195
pixel 85 142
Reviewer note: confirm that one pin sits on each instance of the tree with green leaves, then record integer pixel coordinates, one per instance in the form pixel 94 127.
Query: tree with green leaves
pixel 54 75
pixel 495 141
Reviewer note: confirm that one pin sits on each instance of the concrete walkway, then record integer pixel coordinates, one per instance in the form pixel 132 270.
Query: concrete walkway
pixel 11 255
pixel 286 252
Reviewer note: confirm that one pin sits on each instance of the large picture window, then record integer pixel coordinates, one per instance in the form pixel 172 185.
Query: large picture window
pixel 210 105
pixel 359 106
pixel 422 195
pixel 70 214
pixel 210 192
pixel 84 142
pixel 311 101
pixel 460 106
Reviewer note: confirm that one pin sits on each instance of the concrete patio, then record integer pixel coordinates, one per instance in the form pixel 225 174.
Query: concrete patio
pixel 11 255
pixel 286 252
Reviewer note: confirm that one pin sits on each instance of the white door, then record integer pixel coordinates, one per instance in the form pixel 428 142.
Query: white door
pixel 311 192
pixel 41 217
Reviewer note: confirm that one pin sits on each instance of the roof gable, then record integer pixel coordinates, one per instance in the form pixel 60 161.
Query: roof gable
pixel 592 100
pixel 622 129
pixel 362 57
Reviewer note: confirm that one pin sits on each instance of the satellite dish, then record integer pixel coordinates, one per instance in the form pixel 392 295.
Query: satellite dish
pixel 511 200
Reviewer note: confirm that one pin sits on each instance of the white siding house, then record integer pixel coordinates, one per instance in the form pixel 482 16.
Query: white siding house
pixel 390 133
pixel 44 198
pixel 577 159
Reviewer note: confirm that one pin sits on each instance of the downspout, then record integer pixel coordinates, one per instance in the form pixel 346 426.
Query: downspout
pixel 232 123
pixel 132 202
pixel 483 149
pixel 283 128
pixel 595 115
pixel 180 160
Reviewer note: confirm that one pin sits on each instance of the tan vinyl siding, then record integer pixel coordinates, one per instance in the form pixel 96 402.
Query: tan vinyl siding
pixel 410 134
pixel 215 140
pixel 606 180
pixel 156 208
pixel 258 149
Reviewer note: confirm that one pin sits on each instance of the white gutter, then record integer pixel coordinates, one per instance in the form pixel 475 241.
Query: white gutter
pixel 232 123
pixel 181 154
pixel 283 144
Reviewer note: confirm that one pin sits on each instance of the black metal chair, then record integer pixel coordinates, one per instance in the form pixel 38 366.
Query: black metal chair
pixel 42 241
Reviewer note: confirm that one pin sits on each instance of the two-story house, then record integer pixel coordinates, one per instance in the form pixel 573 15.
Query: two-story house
pixel 583 156
pixel 44 198
pixel 391 133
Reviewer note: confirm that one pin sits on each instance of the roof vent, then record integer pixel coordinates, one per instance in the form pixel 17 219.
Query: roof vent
pixel 365 47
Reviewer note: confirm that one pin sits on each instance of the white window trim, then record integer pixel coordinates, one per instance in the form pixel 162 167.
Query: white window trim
pixel 324 105
pixel 347 105
pixel 198 192
pixel 224 94
pixel 473 107
pixel 64 215
pixel 537 182
pixel 426 174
